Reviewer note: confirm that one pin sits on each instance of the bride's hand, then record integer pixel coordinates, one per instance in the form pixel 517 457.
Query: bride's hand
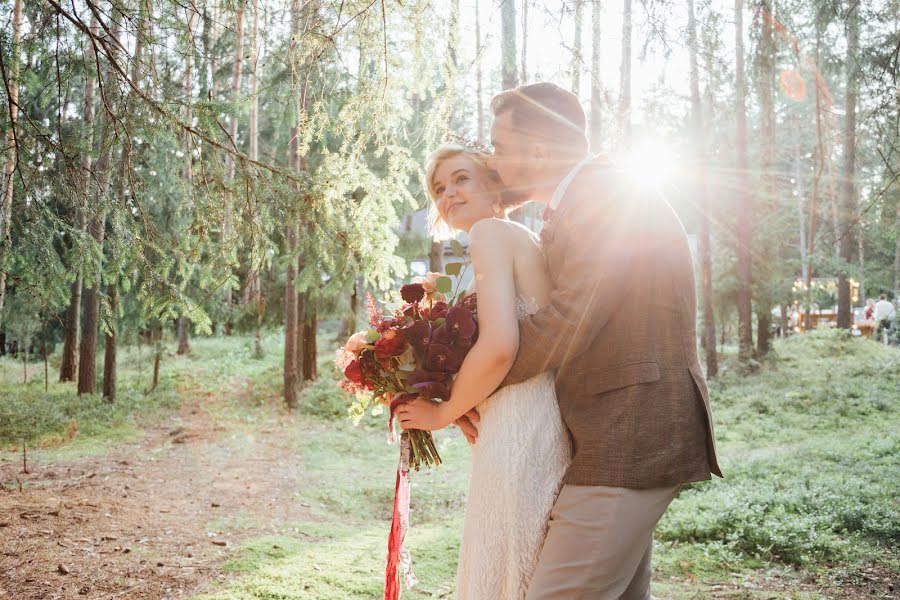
pixel 422 414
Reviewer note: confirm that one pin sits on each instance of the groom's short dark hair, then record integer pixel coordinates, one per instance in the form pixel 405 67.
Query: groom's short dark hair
pixel 548 113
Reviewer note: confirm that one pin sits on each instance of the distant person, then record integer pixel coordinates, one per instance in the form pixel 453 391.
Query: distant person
pixel 870 310
pixel 884 312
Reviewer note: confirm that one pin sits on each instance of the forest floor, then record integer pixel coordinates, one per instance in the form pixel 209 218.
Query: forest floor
pixel 224 495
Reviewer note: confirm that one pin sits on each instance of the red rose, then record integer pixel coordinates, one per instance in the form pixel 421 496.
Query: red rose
pixel 353 373
pixel 392 343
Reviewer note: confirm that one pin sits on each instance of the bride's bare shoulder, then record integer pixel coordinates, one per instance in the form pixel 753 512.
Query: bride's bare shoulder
pixel 492 232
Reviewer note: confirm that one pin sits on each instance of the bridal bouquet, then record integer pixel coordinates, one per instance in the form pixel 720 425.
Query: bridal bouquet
pixel 414 351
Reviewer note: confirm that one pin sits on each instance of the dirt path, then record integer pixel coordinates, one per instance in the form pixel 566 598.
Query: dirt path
pixel 152 519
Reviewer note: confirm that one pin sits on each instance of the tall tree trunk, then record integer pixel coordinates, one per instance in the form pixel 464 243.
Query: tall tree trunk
pixel 765 80
pixel 596 85
pixel 509 73
pixel 291 376
pixel 436 257
pixel 68 369
pixel 577 59
pixel 709 323
pixel 309 335
pixel 187 175
pixel 228 225
pixel 87 351
pixel 524 78
pixel 625 78
pixel 11 149
pixel 848 205
pixel 479 92
pixel 816 185
pixel 111 342
pixel 744 211
pixel 290 319
pixel 184 336
pixel 897 250
pixel 253 133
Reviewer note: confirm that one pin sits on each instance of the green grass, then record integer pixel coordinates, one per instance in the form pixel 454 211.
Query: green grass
pixel 809 445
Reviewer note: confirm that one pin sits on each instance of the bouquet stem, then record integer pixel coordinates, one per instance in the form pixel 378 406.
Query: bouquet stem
pixel 423 450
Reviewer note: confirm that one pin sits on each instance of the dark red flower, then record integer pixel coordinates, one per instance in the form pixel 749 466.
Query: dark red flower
pixel 461 321
pixel 419 334
pixel 412 292
pixel 436 357
pixel 354 373
pixel 442 335
pixel 391 343
pixel 438 311
pixel 431 384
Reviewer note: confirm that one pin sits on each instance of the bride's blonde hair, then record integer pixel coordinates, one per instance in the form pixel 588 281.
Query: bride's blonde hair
pixel 439 228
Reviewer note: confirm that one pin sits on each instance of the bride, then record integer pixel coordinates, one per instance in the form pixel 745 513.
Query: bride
pixel 523 448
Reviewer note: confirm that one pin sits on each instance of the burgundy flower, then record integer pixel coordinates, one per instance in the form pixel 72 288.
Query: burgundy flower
pixel 419 334
pixel 438 311
pixel 442 335
pixel 368 364
pixel 392 343
pixel 437 357
pixel 461 321
pixel 431 384
pixel 412 292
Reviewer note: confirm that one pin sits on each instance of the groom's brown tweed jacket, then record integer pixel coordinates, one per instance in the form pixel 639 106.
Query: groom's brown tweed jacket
pixel 621 331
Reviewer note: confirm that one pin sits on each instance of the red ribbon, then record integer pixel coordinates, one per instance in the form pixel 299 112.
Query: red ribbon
pixel 398 558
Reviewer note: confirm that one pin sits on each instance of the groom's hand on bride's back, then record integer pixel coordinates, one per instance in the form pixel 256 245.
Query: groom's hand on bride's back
pixel 468 424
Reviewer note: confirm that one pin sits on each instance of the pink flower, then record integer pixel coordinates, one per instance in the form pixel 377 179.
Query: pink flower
pixel 429 282
pixel 357 342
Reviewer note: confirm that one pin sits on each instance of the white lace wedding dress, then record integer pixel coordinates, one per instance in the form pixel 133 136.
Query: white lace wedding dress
pixel 518 463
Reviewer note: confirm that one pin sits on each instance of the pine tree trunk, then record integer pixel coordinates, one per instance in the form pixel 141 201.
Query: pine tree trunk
pixel 87 352
pixel 816 184
pixel 479 92
pixel 290 321
pixel 310 338
pixel 744 203
pixel 157 358
pixel 12 150
pixel 109 355
pixel 68 369
pixel 524 78
pixel 577 59
pixel 228 225
pixel 184 336
pixel 596 69
pixel 436 257
pixel 625 78
pixel 509 74
pixel 765 79
pixel 709 323
pixel 848 212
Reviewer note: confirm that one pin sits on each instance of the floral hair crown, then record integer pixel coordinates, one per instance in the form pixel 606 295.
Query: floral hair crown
pixel 452 137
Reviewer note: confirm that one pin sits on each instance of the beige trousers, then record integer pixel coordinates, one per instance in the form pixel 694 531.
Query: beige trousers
pixel 599 544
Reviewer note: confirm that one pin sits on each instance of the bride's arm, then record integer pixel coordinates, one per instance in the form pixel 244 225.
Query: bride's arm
pixel 493 354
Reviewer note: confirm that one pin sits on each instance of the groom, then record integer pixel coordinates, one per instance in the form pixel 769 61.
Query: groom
pixel 620 332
